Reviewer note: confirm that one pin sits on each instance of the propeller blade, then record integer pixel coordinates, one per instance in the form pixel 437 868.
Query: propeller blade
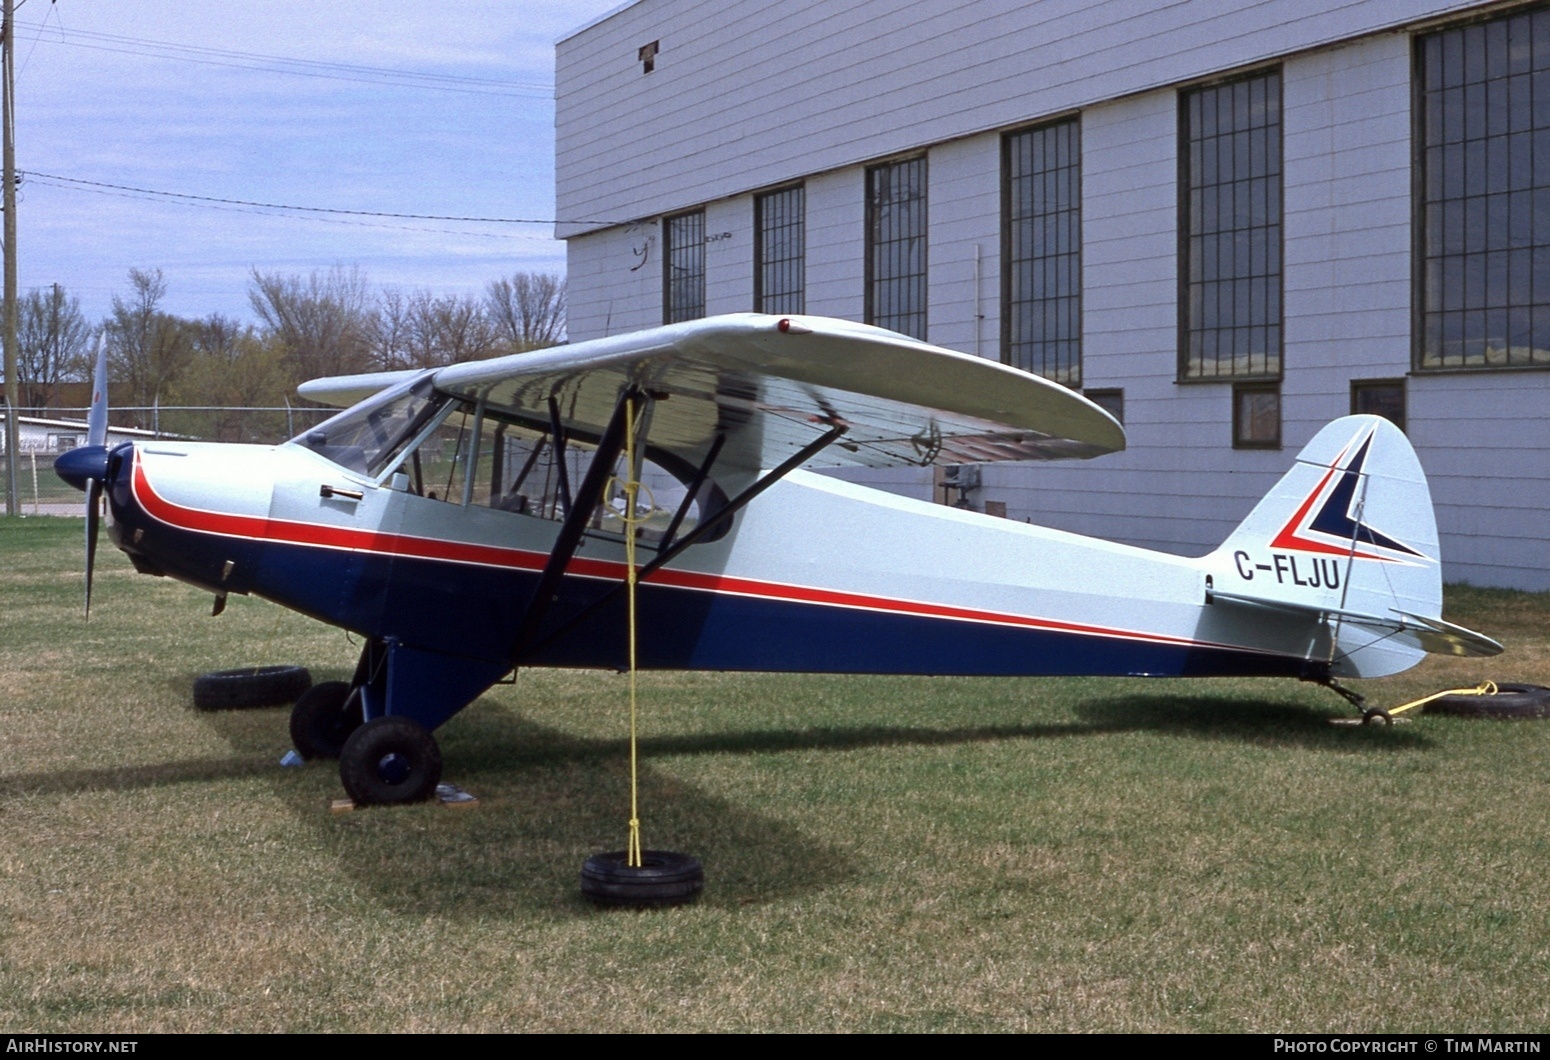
pixel 93 496
pixel 97 419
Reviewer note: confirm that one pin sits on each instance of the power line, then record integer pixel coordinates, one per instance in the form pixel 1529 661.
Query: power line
pixel 112 42
pixel 310 218
pixel 193 199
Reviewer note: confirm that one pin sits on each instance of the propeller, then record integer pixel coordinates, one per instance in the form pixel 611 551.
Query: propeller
pixel 86 467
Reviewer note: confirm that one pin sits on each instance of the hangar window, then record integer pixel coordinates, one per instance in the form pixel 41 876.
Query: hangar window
pixel 896 247
pixel 1041 278
pixel 780 251
pixel 1256 416
pixel 683 278
pixel 1484 224
pixel 1230 230
pixel 1379 397
pixel 1110 400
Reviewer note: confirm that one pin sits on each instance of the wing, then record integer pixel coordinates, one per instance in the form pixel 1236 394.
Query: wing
pixel 768 386
pixel 345 390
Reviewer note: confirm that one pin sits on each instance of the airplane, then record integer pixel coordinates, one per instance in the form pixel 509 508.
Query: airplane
pixel 473 520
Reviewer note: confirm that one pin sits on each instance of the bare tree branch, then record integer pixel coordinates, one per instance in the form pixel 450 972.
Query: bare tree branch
pixel 529 310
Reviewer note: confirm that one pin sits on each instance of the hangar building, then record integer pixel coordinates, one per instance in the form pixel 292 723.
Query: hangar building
pixel 1227 221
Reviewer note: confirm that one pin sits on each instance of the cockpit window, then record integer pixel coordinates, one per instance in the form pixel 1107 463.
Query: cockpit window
pixel 490 459
pixel 367 437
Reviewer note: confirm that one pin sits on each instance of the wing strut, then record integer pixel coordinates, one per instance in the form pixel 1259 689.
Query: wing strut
pixel 557 432
pixel 694 489
pixel 705 526
pixel 578 512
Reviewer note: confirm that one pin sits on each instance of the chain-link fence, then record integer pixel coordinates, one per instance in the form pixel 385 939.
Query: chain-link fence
pixel 40 490
pixel 211 423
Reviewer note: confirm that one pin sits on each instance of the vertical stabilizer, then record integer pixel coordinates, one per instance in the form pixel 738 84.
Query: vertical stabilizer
pixel 1349 530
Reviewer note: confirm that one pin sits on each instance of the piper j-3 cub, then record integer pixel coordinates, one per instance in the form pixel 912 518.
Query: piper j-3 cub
pixel 469 521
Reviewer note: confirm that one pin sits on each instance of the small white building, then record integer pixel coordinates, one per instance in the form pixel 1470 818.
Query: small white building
pixel 1228 222
pixel 43 437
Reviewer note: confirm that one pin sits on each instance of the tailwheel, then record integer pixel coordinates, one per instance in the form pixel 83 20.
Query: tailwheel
pixel 388 761
pixel 323 719
pixel 1375 716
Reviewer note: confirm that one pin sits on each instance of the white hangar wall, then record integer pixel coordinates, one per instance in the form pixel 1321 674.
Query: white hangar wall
pixel 708 140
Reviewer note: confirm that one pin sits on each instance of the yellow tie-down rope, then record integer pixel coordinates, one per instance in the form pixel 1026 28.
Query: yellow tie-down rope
pixel 630 518
pixel 1485 688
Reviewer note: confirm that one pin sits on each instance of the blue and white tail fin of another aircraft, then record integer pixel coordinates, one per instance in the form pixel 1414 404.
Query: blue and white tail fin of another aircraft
pixel 1348 534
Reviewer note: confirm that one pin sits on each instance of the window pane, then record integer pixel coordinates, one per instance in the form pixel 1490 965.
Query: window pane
pixel 1042 328
pixel 1231 207
pixel 1485 180
pixel 896 247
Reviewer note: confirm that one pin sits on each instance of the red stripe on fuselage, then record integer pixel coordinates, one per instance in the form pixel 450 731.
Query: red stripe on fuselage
pixel 319 536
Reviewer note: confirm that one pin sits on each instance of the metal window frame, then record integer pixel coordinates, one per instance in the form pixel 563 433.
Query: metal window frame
pixel 870 277
pixel 759 227
pixel 667 265
pixel 1007 138
pixel 1183 216
pixel 1418 203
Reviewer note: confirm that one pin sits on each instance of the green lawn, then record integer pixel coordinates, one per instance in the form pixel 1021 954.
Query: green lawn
pixel 881 853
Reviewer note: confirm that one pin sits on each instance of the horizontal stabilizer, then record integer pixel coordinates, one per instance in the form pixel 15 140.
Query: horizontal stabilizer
pixel 1418 631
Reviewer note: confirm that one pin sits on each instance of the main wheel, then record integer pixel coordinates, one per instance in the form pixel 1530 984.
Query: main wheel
pixel 663 878
pixel 323 719
pixel 388 761
pixel 251 686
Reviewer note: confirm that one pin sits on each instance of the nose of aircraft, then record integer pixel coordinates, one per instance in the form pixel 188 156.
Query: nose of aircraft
pixel 82 465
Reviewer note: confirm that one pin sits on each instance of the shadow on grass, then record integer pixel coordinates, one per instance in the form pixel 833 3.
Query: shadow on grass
pixel 547 801
pixel 549 798
pixel 129 778
pixel 1251 720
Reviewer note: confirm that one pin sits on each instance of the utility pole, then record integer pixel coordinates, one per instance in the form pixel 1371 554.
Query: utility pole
pixel 8 203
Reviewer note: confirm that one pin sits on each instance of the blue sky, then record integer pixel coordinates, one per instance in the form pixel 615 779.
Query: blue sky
pixel 183 98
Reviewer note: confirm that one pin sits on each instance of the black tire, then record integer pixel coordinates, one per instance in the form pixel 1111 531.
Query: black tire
pixel 251 686
pixel 1510 701
pixel 323 719
pixel 389 761
pixel 664 878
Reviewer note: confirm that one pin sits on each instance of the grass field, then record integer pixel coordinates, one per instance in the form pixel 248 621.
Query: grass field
pixel 881 854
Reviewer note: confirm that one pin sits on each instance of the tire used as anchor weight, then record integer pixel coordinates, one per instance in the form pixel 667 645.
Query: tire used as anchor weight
pixel 1510 701
pixel 323 719
pixel 388 761
pixel 251 686
pixel 663 878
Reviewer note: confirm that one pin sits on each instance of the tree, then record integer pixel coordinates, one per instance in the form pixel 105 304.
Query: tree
pixel 53 344
pixel 529 310
pixel 323 323
pixel 147 348
pixel 232 368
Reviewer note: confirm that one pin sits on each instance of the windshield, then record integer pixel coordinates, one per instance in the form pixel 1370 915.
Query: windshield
pixel 367 437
